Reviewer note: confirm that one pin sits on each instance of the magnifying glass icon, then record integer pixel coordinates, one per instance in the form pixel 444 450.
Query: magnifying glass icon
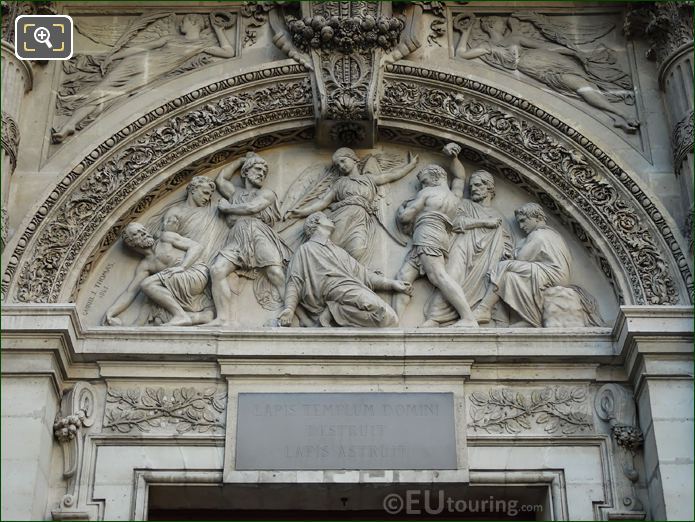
pixel 43 35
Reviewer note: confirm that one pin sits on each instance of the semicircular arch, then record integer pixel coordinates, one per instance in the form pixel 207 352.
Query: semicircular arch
pixel 607 208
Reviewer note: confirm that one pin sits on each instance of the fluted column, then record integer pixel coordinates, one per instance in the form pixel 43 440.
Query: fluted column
pixel 15 83
pixel 669 29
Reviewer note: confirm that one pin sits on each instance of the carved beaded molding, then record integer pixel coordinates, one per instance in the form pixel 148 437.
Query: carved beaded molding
pixel 113 171
pixel 606 196
pixel 109 175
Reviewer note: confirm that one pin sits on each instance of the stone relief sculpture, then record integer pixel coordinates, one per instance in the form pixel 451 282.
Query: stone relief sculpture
pixel 350 189
pixel 151 47
pixel 540 262
pixel 174 283
pixel 332 287
pixel 481 240
pixel 194 251
pixel 253 248
pixel 429 217
pixel 548 50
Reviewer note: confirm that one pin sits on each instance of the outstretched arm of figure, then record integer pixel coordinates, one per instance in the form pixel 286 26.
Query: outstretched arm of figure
pixel 388 177
pixel 320 204
pixel 192 248
pixel 126 298
pixel 224 178
pixel 226 49
pixel 263 200
pixel 476 52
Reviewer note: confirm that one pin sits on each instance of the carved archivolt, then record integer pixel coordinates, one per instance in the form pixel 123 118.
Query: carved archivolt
pixel 596 186
pixel 109 175
pixel 62 236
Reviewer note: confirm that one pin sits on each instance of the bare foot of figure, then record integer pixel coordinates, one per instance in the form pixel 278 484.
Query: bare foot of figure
pixel 483 314
pixel 629 126
pixel 60 136
pixel 465 323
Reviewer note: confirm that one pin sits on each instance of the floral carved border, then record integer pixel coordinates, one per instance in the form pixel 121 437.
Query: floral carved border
pixel 604 193
pixel 109 174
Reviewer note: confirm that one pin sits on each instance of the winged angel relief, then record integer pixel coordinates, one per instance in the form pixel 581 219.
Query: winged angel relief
pixel 548 50
pixel 153 46
pixel 351 189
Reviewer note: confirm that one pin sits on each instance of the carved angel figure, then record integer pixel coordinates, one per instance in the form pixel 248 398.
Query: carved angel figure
pixel 154 45
pixel 515 43
pixel 350 189
pixel 253 248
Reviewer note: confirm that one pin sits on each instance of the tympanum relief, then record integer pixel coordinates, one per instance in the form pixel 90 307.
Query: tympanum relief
pixel 130 55
pixel 297 236
pixel 571 56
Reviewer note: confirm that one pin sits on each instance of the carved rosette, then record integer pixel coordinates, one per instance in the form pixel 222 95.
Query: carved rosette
pixel 77 415
pixel 10 138
pixel 454 103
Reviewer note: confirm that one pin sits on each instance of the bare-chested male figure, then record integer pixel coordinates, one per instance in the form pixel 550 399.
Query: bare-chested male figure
pixel 429 215
pixel 175 283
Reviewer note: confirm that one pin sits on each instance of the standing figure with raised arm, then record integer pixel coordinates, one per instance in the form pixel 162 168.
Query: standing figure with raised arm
pixel 430 217
pixel 253 248
pixel 481 240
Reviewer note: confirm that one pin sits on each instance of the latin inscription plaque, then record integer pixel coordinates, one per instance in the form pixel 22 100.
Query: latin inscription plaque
pixel 313 431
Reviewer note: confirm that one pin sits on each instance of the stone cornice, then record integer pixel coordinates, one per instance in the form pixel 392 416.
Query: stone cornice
pixel 51 340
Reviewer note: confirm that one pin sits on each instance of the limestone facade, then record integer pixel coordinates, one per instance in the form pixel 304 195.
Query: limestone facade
pixel 463 198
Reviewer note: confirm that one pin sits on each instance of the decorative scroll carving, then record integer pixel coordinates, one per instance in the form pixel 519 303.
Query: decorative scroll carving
pixel 10 139
pixel 77 415
pixel 560 410
pixel 153 46
pixel 4 227
pixel 682 141
pixel 527 42
pixel 186 409
pixel 332 288
pixel 668 26
pixel 438 24
pixel 107 185
pixel 616 407
pixel 619 219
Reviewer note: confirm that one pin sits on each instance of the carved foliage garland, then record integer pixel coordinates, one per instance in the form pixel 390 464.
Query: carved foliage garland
pixel 682 140
pixel 623 224
pixel 503 410
pixel 188 409
pixel 59 243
